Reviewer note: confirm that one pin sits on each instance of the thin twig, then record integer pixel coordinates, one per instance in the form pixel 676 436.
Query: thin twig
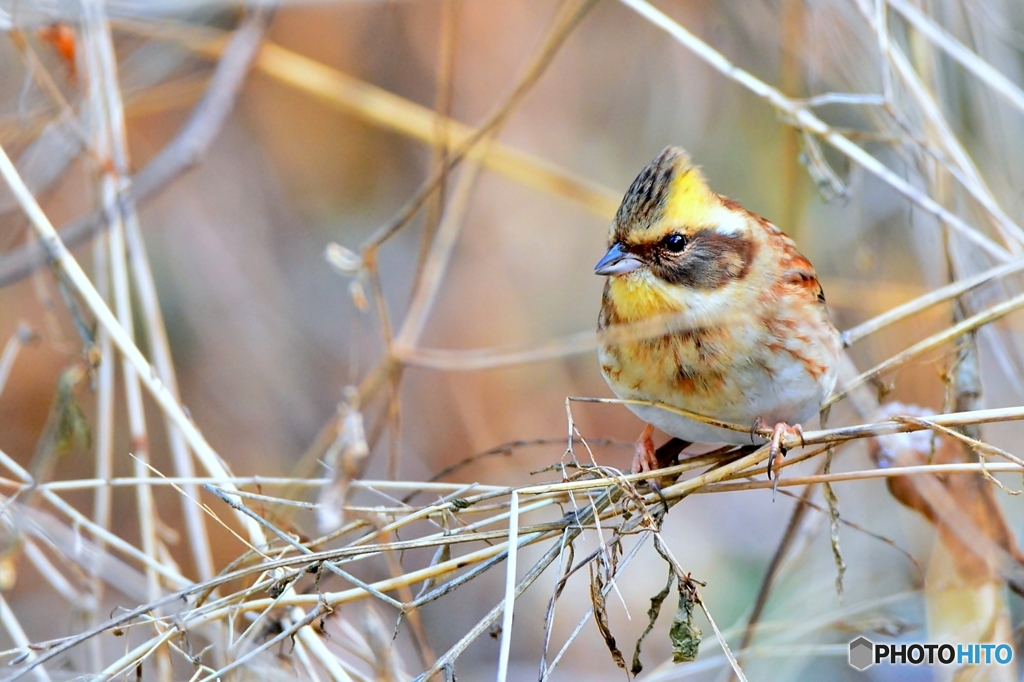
pixel 942 294
pixel 805 119
pixel 180 154
pixel 934 341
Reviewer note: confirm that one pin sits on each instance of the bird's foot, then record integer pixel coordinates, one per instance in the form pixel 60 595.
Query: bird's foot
pixel 776 452
pixel 644 457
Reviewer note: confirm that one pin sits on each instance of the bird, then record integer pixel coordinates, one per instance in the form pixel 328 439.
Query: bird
pixel 710 309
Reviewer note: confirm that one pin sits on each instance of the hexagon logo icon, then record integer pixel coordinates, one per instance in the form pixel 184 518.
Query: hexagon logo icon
pixel 862 653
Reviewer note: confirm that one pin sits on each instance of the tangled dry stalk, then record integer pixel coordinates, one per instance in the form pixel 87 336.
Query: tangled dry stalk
pixel 270 598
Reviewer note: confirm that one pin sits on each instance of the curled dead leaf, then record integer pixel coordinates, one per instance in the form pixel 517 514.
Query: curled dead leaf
pixel 962 507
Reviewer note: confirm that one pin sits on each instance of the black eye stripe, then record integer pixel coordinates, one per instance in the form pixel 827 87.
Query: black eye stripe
pixel 710 260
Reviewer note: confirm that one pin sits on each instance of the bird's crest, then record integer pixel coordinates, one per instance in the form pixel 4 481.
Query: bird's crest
pixel 669 189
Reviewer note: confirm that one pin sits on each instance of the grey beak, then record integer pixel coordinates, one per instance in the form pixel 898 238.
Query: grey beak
pixel 617 262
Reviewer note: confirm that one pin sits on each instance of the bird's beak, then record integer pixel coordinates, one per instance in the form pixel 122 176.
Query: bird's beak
pixel 617 262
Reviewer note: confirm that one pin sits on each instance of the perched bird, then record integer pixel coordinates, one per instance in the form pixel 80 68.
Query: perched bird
pixel 721 315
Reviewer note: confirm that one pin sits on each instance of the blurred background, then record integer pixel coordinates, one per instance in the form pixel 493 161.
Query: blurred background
pixel 266 335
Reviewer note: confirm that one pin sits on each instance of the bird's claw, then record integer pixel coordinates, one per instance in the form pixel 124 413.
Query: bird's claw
pixel 776 451
pixel 758 424
pixel 645 459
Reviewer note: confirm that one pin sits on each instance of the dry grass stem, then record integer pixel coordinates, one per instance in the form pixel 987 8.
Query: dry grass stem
pixel 805 119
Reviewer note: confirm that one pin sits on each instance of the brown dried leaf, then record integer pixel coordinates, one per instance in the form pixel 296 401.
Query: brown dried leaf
pixel 8 571
pixel 962 507
pixel 652 615
pixel 833 519
pixel 597 598
pixel 347 457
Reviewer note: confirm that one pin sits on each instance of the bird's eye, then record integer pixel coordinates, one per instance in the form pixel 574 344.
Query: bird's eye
pixel 675 243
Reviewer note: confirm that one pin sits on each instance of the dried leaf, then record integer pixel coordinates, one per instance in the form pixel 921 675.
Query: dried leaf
pixel 8 570
pixel 833 519
pixel 652 615
pixel 684 634
pixel 72 432
pixel 597 598
pixel 358 294
pixel 346 456
pixel 965 374
pixel 963 508
pixel 66 431
pixel 442 554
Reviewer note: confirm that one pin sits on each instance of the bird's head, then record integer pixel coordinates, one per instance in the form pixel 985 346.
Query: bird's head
pixel 674 242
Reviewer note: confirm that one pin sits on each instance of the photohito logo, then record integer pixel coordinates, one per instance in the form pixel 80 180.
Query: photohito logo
pixel 865 653
pixel 861 653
